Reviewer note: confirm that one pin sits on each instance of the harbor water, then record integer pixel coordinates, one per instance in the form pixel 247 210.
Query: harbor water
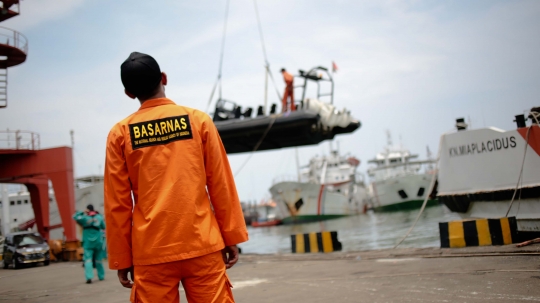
pixel 373 230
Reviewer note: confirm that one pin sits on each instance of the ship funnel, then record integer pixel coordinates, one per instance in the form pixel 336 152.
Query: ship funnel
pixel 460 124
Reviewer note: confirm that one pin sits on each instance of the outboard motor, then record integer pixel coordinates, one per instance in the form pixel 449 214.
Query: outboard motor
pixel 273 108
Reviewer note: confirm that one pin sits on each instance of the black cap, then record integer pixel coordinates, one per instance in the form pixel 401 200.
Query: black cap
pixel 140 74
pixel 90 207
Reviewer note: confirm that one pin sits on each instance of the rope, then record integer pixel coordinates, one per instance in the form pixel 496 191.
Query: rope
pixel 431 187
pixel 520 177
pixel 257 145
pixel 267 64
pixel 218 80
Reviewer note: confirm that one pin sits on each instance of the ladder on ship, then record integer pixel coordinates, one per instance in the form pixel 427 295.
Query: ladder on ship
pixel 13 46
pixel 3 87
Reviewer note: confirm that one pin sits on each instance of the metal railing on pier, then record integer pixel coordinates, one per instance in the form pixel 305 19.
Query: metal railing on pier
pixel 19 140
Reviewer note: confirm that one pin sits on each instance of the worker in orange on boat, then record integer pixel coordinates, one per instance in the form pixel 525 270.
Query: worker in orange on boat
pixel 289 91
pixel 185 219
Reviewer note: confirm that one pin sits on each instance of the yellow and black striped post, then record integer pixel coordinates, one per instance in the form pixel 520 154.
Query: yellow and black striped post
pixel 479 232
pixel 323 242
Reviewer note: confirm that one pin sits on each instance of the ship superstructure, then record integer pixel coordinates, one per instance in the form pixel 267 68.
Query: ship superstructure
pixel 328 187
pixel 398 181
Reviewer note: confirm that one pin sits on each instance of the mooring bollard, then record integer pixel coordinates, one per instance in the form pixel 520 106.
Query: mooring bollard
pixel 323 242
pixel 479 232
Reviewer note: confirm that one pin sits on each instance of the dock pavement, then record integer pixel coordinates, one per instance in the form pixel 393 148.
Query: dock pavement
pixel 473 274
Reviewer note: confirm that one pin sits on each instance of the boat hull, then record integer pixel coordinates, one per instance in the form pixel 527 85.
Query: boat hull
pixel 401 193
pixel 479 170
pixel 407 205
pixel 299 202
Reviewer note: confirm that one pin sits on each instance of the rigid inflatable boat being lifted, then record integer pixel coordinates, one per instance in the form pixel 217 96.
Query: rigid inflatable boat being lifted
pixel 313 122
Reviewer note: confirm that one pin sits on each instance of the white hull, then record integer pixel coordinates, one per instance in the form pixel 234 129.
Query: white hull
pixel 479 170
pixel 387 192
pixel 316 199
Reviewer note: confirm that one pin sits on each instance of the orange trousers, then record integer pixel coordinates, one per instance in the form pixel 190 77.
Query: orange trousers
pixel 204 280
pixel 289 92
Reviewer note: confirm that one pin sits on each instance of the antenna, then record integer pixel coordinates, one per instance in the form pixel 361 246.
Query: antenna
pixel 72 135
pixel 388 138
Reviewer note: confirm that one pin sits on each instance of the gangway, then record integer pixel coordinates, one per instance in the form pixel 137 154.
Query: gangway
pixel 13 46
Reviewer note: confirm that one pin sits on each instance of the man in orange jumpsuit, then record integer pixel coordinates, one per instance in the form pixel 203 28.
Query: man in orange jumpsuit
pixel 289 91
pixel 184 220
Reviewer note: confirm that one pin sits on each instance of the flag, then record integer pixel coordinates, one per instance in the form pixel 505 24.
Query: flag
pixel 334 67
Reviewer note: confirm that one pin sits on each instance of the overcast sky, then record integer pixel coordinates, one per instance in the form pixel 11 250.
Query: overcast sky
pixel 410 67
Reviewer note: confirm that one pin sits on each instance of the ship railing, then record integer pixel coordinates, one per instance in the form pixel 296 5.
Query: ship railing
pixel 285 178
pixel 19 140
pixel 13 38
pixel 404 164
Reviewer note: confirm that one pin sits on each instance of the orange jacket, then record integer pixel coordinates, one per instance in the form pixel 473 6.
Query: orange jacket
pixel 171 159
pixel 288 78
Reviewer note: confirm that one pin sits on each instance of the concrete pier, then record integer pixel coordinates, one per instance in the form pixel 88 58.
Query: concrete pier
pixel 479 274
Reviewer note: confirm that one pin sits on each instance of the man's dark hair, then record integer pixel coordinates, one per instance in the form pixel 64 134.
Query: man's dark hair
pixel 283 70
pixel 141 75
pixel 90 207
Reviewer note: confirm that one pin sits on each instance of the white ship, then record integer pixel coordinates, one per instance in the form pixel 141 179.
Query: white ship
pixel 89 190
pixel 397 181
pixel 482 170
pixel 328 187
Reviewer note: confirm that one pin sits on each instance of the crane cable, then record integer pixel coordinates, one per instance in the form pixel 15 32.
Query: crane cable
pixel 218 80
pixel 267 64
pixel 431 188
pixel 267 67
pixel 269 72
pixel 257 145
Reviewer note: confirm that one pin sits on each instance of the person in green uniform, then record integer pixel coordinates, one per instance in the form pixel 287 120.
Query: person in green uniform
pixel 93 225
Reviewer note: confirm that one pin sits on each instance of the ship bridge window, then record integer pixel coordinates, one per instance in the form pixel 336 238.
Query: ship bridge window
pixel 11 202
pixel 421 191
pixel 19 202
pixel 25 201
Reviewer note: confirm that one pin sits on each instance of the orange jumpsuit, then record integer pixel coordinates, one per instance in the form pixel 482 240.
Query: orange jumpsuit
pixel 185 207
pixel 289 92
